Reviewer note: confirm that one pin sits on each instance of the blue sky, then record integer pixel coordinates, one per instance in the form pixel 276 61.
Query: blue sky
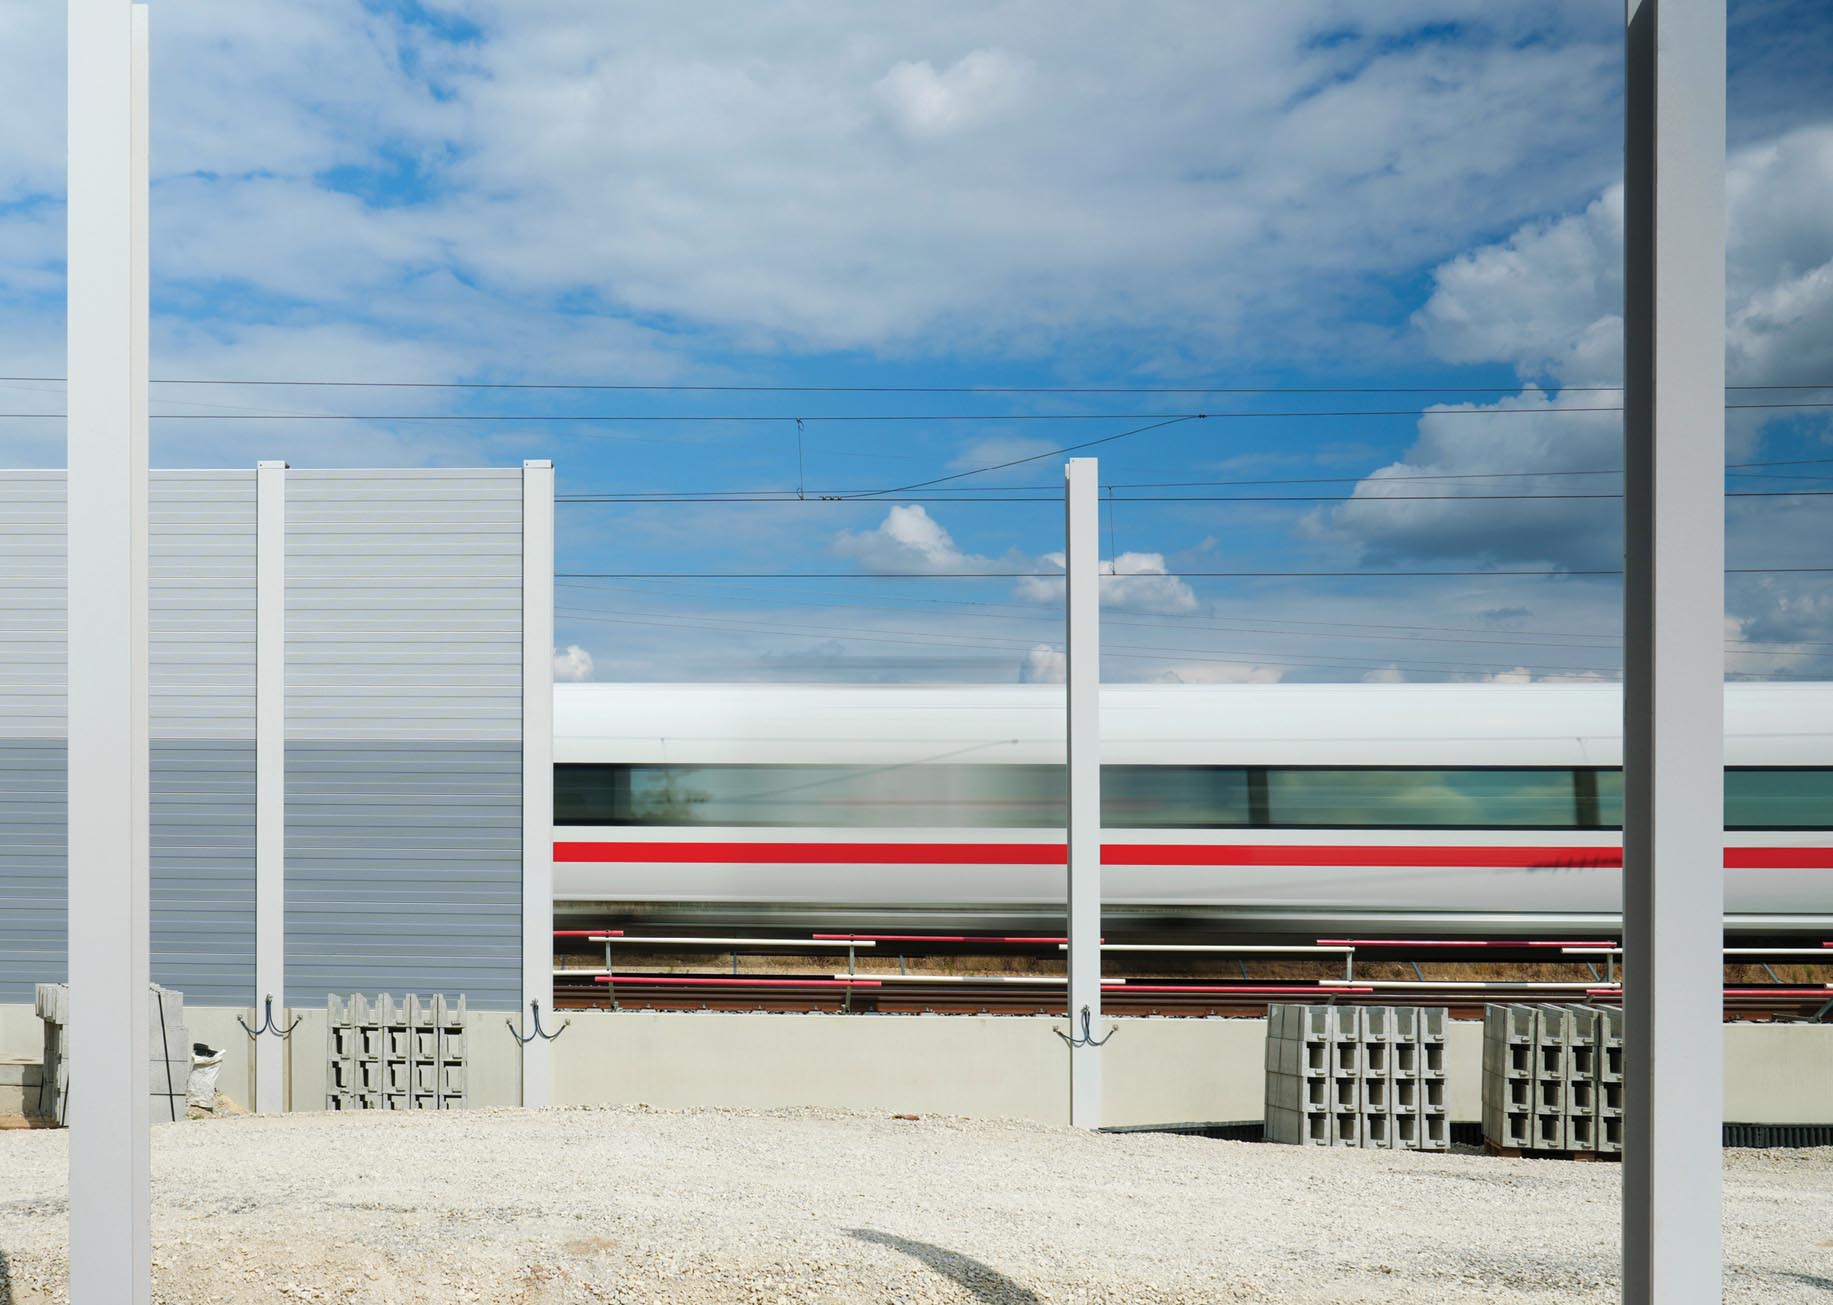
pixel 1416 195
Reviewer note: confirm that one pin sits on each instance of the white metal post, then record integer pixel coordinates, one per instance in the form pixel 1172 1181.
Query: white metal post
pixel 110 1253
pixel 537 777
pixel 1673 657
pixel 270 781
pixel 1082 672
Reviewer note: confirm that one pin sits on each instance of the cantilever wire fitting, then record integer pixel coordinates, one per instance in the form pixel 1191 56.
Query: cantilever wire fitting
pixel 267 1023
pixel 534 1008
pixel 1088 1038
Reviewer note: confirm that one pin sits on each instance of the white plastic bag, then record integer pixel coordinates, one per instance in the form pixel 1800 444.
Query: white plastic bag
pixel 200 1088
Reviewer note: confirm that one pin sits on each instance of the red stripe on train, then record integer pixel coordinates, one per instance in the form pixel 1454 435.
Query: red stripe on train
pixel 1163 854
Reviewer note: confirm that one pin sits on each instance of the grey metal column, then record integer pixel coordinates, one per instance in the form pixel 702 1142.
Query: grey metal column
pixel 1082 604
pixel 110 1252
pixel 537 775
pixel 1673 647
pixel 270 781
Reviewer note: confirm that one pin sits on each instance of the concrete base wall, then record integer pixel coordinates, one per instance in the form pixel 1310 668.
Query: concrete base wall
pixel 1158 1071
pixel 493 1069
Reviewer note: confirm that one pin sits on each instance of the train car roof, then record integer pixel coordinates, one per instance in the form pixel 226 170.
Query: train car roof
pixel 1166 724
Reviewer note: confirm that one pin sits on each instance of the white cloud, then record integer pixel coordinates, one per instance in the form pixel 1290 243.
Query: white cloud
pixel 926 105
pixel 908 539
pixel 732 171
pixel 1043 665
pixel 573 665
pixel 1133 582
pixel 1385 675
pixel 1548 299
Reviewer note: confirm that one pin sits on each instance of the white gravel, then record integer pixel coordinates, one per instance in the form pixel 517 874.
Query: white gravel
pixel 637 1205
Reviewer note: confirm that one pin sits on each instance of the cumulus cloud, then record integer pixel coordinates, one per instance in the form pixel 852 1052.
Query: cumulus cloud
pixel 573 665
pixel 1043 665
pixel 1132 582
pixel 909 539
pixel 926 105
pixel 1548 299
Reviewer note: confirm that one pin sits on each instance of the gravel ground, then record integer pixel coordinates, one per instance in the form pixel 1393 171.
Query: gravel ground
pixel 830 1208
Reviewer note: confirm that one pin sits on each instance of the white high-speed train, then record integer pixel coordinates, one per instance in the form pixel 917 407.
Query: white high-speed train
pixel 1294 807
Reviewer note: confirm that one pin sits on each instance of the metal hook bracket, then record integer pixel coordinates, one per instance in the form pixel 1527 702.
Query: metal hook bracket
pixel 267 1022
pixel 1088 1038
pixel 534 1008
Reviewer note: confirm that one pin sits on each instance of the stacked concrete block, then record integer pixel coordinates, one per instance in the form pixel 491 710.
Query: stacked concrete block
pixel 1553 1079
pixel 1370 1076
pixel 169 1053
pixel 381 1054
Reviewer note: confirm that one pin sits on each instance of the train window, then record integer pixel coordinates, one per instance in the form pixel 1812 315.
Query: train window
pixel 894 796
pixel 591 794
pixel 1756 797
pixel 1154 797
pixel 1413 799
pixel 1175 797
pixel 1774 798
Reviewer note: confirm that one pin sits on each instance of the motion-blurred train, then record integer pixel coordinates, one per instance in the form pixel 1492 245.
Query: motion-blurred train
pixel 1291 808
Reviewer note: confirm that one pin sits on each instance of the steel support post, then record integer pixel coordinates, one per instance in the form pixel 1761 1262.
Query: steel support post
pixel 1673 641
pixel 1082 673
pixel 537 774
pixel 270 782
pixel 110 1253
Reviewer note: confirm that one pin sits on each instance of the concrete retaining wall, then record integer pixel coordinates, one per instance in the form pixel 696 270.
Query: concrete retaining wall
pixel 1158 1071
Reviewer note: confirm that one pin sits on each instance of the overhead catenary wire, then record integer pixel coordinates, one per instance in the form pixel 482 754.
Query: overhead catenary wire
pixel 608 418
pixel 1135 575
pixel 1319 661
pixel 1194 621
pixel 1134 652
pixel 662 387
pixel 883 495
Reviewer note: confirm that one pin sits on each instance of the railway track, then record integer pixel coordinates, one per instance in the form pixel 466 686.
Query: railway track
pixel 1014 974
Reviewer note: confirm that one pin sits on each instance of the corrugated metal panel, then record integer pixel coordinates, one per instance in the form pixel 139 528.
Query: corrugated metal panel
pixel 201 569
pixel 404 723
pixel 404 623
pixel 32 605
pixel 404 605
pixel 32 859
pixel 404 869
pixel 203 818
pixel 201 566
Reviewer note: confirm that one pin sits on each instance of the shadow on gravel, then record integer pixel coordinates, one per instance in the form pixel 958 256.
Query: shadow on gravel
pixel 986 1283
pixel 6 1280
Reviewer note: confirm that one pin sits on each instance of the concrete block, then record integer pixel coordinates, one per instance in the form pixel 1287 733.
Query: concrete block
pixel 1346 1128
pixel 1345 1058
pixel 1404 1095
pixel 1345 1094
pixel 1377 1130
pixel 1434 1024
pixel 1435 1133
pixel 1406 1059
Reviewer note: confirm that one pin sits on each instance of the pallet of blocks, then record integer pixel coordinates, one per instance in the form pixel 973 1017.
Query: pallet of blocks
pixel 383 1054
pixel 1553 1080
pixel 168 1053
pixel 1361 1076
